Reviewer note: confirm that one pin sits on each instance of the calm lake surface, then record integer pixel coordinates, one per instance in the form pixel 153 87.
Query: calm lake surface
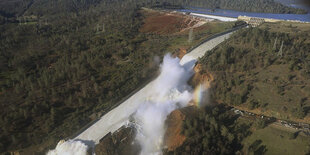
pixel 235 14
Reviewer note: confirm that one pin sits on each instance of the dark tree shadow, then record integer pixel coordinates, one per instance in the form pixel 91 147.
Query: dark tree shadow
pixel 307 109
pixel 257 148
pixel 261 150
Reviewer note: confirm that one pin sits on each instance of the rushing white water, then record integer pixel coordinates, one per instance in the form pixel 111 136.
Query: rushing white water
pixel 70 147
pixel 170 92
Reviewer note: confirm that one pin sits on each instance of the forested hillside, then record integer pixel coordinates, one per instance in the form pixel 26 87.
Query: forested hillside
pixel 267 6
pixel 265 69
pixel 64 63
pixel 10 8
pixel 55 74
pixel 213 130
pixel 62 67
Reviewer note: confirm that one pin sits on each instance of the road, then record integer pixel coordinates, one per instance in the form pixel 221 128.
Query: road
pixel 120 115
pixel 293 126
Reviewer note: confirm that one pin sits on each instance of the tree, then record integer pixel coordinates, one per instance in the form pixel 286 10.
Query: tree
pixel 260 123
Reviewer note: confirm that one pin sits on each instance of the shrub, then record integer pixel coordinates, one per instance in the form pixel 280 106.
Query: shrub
pixel 260 123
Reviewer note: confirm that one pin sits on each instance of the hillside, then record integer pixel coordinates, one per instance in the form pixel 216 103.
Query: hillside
pixel 58 76
pixel 63 64
pixel 13 9
pixel 255 72
pixel 249 72
pixel 216 128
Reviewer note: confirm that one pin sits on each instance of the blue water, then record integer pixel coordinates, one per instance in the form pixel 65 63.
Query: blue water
pixel 235 14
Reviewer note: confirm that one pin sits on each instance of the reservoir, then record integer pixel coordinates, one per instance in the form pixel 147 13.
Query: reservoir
pixel 235 14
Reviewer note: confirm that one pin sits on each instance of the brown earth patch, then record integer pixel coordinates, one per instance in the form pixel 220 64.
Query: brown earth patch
pixel 180 52
pixel 166 23
pixel 200 77
pixel 174 137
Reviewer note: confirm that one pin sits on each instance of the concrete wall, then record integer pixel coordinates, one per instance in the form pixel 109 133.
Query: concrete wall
pixel 226 19
pixel 201 50
pixel 246 18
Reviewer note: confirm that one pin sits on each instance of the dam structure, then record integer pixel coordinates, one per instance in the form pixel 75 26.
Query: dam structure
pixel 120 116
pixel 220 18
pixel 252 17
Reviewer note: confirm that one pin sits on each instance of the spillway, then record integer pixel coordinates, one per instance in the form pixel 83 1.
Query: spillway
pixel 119 116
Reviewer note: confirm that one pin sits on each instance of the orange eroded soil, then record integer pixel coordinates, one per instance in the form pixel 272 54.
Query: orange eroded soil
pixel 166 23
pixel 173 137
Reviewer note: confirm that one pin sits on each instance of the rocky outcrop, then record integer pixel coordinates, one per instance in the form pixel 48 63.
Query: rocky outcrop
pixel 201 77
pixel 120 143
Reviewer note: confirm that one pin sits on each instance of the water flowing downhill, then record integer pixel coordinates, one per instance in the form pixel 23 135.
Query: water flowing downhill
pixel 148 107
pixel 170 92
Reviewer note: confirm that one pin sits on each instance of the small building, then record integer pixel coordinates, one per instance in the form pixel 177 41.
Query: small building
pixel 252 21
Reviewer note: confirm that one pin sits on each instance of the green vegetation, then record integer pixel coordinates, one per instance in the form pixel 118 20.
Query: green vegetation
pixel 214 130
pixel 14 8
pixel 217 130
pixel 62 62
pixel 276 140
pixel 73 65
pixel 199 34
pixel 255 71
pixel 54 75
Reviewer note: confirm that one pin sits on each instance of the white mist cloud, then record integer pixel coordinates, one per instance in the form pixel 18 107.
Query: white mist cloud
pixel 171 91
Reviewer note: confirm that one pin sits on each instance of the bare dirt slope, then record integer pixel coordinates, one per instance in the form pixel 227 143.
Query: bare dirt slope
pixel 167 23
pixel 174 136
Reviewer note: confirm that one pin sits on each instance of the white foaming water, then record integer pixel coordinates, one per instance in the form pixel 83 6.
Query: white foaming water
pixel 70 147
pixel 170 92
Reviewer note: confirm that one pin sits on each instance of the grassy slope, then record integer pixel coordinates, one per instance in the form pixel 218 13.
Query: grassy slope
pixel 247 69
pixel 277 140
pixel 250 74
